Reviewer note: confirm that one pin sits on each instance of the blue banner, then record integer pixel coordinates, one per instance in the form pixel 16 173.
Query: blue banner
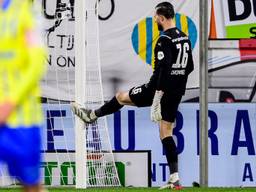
pixel 232 132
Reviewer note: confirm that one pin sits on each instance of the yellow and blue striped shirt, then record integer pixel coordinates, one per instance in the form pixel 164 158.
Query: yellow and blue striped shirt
pixel 21 63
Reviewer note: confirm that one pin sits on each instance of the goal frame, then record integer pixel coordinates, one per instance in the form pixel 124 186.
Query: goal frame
pixel 80 76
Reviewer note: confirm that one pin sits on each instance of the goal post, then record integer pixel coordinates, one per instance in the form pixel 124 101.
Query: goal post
pixel 80 76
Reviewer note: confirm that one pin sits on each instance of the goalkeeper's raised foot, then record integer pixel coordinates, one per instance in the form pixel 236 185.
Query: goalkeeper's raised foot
pixel 86 115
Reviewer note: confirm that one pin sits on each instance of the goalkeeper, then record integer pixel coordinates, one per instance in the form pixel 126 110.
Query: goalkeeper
pixel 167 85
pixel 22 65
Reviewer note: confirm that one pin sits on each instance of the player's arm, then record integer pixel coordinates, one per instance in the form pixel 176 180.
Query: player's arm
pixel 162 58
pixel 190 67
pixel 31 77
pixel 36 62
pixel 36 53
pixel 37 66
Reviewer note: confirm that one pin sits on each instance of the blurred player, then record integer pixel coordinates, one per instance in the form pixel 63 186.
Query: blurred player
pixel 167 85
pixel 22 65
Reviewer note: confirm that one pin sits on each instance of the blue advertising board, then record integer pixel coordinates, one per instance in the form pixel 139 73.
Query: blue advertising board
pixel 232 133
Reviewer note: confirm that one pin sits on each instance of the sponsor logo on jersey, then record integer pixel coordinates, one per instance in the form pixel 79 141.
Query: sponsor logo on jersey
pixel 160 55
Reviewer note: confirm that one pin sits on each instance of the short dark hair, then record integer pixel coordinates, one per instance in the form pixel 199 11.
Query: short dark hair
pixel 166 9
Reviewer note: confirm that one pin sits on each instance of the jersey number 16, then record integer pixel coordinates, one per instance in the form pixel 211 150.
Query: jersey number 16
pixel 182 58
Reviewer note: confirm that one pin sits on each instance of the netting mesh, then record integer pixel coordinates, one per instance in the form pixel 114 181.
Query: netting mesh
pixel 58 166
pixel 58 86
pixel 100 166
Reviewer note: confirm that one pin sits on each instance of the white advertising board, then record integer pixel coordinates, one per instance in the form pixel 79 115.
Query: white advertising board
pixel 126 43
pixel 133 168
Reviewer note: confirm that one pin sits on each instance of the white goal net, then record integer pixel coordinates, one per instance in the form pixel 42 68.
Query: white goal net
pixel 100 169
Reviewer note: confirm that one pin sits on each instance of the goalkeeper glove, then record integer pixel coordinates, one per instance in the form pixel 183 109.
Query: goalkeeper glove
pixel 156 107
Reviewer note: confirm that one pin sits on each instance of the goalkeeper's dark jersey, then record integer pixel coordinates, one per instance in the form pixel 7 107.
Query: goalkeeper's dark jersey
pixel 173 62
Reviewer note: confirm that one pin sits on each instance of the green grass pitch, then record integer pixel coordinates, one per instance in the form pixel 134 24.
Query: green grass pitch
pixel 126 189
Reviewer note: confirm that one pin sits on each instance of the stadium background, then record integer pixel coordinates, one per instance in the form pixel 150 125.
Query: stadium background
pixel 127 38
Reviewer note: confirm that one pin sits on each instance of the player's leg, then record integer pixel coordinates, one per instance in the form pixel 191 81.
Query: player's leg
pixel 117 102
pixel 36 188
pixel 30 171
pixel 137 96
pixel 24 156
pixel 166 136
pixel 169 107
